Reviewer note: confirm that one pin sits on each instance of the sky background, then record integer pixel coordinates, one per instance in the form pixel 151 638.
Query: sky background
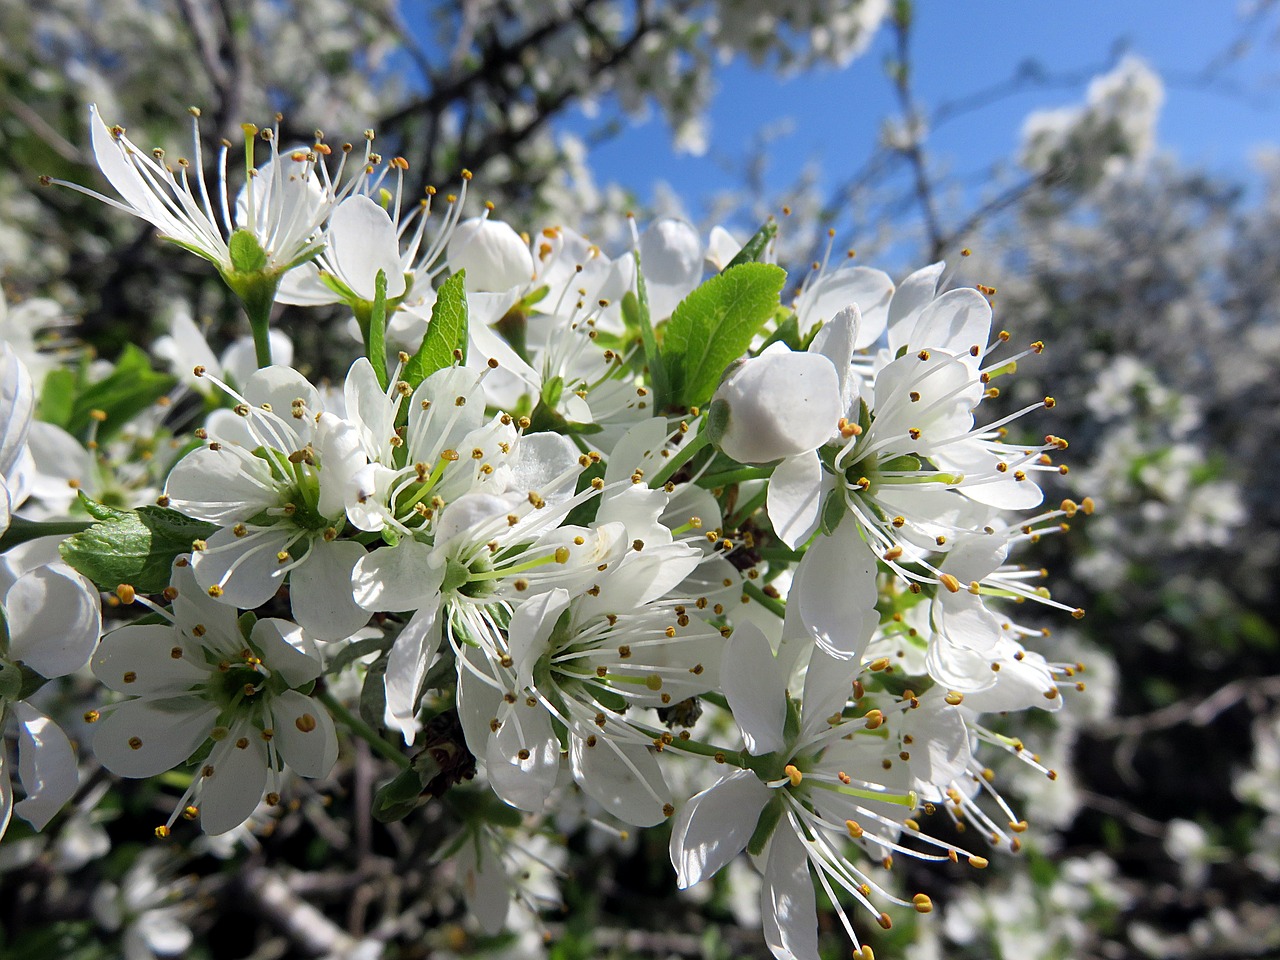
pixel 961 48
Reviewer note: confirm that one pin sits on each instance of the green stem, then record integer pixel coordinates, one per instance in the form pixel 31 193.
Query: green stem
pixel 258 295
pixel 364 731
pixel 746 510
pixel 20 530
pixel 682 456
pixel 734 476
pixel 776 607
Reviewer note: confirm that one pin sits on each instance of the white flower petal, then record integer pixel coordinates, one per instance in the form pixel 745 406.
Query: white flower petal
pixel 411 655
pixel 304 734
pixel 361 241
pixel 755 687
pixel 247 569
pixel 846 286
pixel 286 650
pixel 484 884
pixel 404 577
pixel 788 908
pixel 193 607
pixel 624 778
pixel 492 253
pixel 835 588
pixel 912 296
pixel 303 287
pixel 17 403
pixel 166 732
pixel 715 826
pixel 320 590
pixel 794 501
pixel 231 793
pixel 54 619
pixel 6 797
pixel 46 766
pixel 223 486
pixel 524 782
pixel 671 262
pixel 279 386
pixel 138 660
pixel 828 684
pixel 955 322
pixel 781 404
pixel 530 629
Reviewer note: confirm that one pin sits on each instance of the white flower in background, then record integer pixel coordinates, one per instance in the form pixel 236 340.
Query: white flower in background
pixel 671 259
pixel 282 205
pixel 498 870
pixel 198 678
pixel 1115 126
pixel 52 618
pixel 280 499
pixel 17 403
pixel 184 348
pixel 150 905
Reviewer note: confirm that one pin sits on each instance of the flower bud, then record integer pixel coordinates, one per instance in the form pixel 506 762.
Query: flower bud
pixel 779 404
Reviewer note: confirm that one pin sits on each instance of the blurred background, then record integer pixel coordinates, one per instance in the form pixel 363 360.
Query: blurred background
pixel 1111 170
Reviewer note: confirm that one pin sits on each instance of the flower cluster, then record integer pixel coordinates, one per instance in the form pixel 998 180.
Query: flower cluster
pixel 586 529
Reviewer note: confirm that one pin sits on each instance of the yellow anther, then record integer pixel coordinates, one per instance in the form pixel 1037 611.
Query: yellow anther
pixel 793 774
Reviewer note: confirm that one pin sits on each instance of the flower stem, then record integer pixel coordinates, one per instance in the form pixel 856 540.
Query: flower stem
pixel 776 607
pixel 363 730
pixel 681 457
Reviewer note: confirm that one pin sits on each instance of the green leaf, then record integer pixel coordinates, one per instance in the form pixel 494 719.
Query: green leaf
pixel 57 397
pixel 375 339
pixel 128 390
pixel 447 333
pixel 754 248
pixel 635 313
pixel 247 255
pixel 135 547
pixel 100 511
pixel 354 651
pixel 788 332
pixel 713 326
pixel 373 695
pixel 399 797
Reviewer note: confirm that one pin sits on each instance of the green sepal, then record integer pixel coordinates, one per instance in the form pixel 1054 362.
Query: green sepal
pixel 832 513
pixel 765 826
pixel 403 794
pixel 247 255
pixel 787 332
pixel 903 464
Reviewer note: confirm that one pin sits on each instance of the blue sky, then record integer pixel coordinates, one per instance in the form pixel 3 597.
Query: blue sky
pixel 962 47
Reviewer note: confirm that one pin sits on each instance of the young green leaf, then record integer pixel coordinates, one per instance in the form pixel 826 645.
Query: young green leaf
pixel 447 333
pixel 136 547
pixel 754 248
pixel 714 325
pixel 635 313
pixel 124 393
